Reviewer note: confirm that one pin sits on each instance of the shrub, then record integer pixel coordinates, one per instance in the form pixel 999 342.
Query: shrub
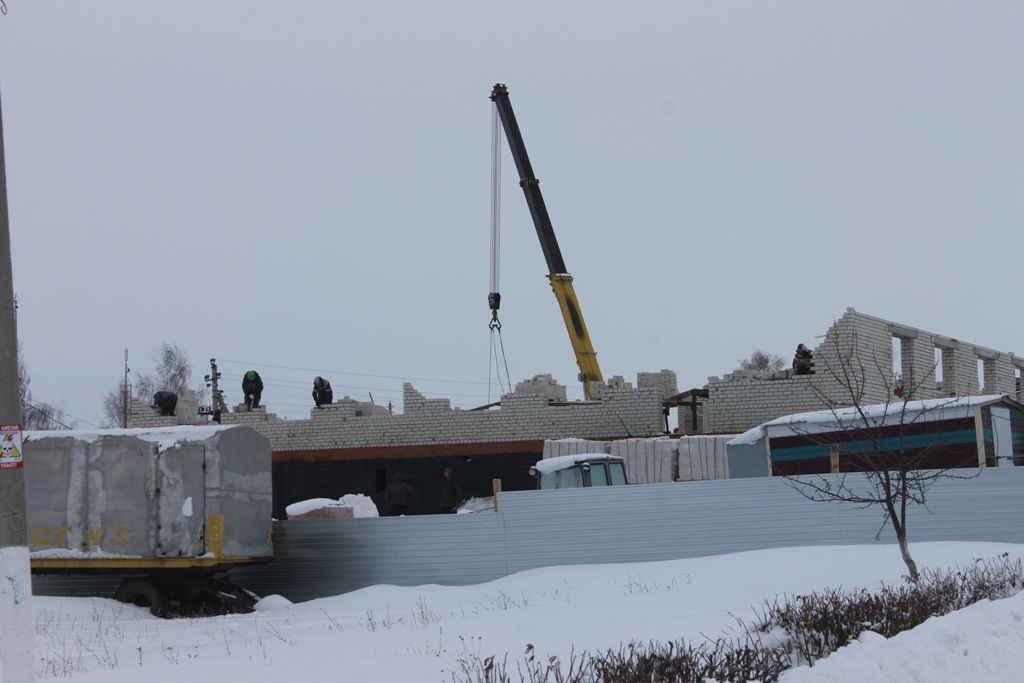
pixel 798 630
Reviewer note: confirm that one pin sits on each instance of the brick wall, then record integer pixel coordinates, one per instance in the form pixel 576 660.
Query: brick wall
pixel 855 359
pixel 530 415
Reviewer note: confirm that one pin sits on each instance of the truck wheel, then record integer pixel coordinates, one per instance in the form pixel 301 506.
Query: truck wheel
pixel 143 593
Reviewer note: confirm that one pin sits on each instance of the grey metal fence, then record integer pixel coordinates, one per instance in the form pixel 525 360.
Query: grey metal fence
pixel 614 524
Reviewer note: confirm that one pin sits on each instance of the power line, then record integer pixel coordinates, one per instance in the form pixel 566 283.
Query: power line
pixel 297 385
pixel 348 372
pixel 36 406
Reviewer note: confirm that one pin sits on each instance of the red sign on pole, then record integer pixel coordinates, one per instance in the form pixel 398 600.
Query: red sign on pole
pixel 10 447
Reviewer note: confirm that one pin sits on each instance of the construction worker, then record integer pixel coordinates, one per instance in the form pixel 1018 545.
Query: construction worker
pixel 802 361
pixel 322 394
pixel 398 496
pixel 451 494
pixel 166 401
pixel 252 387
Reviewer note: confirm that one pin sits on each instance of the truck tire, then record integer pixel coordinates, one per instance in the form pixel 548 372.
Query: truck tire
pixel 144 593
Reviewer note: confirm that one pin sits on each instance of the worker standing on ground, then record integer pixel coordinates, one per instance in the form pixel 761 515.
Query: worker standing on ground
pixel 451 494
pixel 322 394
pixel 252 388
pixel 398 496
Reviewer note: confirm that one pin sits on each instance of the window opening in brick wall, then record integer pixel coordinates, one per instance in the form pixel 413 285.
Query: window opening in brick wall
pixel 1016 381
pixel 897 360
pixel 949 383
pixel 981 376
pixel 938 365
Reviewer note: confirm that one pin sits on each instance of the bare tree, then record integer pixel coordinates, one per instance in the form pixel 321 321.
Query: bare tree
pixel 760 361
pixel 173 372
pixel 38 414
pixel 885 454
pixel 114 409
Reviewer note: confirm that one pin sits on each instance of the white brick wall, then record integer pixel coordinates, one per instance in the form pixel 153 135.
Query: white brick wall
pixel 619 412
pixel 855 358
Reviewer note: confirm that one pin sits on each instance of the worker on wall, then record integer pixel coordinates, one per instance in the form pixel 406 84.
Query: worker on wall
pixel 252 388
pixel 166 401
pixel 322 394
pixel 802 361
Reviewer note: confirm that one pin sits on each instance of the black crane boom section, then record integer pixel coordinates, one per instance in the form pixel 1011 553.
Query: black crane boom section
pixel 530 184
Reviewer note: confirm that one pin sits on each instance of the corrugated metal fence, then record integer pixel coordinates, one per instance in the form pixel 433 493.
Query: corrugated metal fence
pixel 614 524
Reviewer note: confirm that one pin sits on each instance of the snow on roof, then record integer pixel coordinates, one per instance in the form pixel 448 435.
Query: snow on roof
pixel 164 437
pixel 560 462
pixel 878 414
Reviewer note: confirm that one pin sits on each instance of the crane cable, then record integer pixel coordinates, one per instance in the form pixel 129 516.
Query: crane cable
pixel 494 297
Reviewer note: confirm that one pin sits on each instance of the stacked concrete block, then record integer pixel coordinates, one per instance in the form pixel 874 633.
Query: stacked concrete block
pixel 554 448
pixel 665 382
pixel 647 461
pixel 703 457
pixel 541 385
pixel 242 415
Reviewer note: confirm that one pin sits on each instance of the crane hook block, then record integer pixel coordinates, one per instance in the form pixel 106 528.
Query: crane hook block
pixel 494 300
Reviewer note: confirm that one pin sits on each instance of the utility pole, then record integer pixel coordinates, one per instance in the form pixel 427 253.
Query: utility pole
pixel 125 394
pixel 217 396
pixel 16 628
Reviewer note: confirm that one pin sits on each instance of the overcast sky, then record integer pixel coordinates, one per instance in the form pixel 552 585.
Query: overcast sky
pixel 303 187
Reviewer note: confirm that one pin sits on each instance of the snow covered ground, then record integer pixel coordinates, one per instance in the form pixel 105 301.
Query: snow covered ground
pixel 388 633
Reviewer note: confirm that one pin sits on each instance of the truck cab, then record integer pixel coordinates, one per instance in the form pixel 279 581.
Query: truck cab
pixel 579 471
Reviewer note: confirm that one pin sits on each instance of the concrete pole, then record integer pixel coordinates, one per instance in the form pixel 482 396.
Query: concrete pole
pixel 16 628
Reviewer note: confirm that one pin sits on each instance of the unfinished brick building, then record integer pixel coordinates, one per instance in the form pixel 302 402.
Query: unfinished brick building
pixel 873 359
pixel 355 447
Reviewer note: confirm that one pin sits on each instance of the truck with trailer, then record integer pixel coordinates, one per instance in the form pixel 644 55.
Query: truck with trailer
pixel 167 511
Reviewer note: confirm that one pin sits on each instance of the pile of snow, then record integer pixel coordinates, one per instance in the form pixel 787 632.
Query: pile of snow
pixel 982 642
pixel 418 633
pixel 477 505
pixel 357 503
pixel 362 506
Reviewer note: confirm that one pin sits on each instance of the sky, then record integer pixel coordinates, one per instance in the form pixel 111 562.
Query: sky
pixel 304 188
pixel 390 633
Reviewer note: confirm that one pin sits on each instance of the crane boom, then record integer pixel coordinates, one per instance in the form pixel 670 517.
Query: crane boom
pixel 561 280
